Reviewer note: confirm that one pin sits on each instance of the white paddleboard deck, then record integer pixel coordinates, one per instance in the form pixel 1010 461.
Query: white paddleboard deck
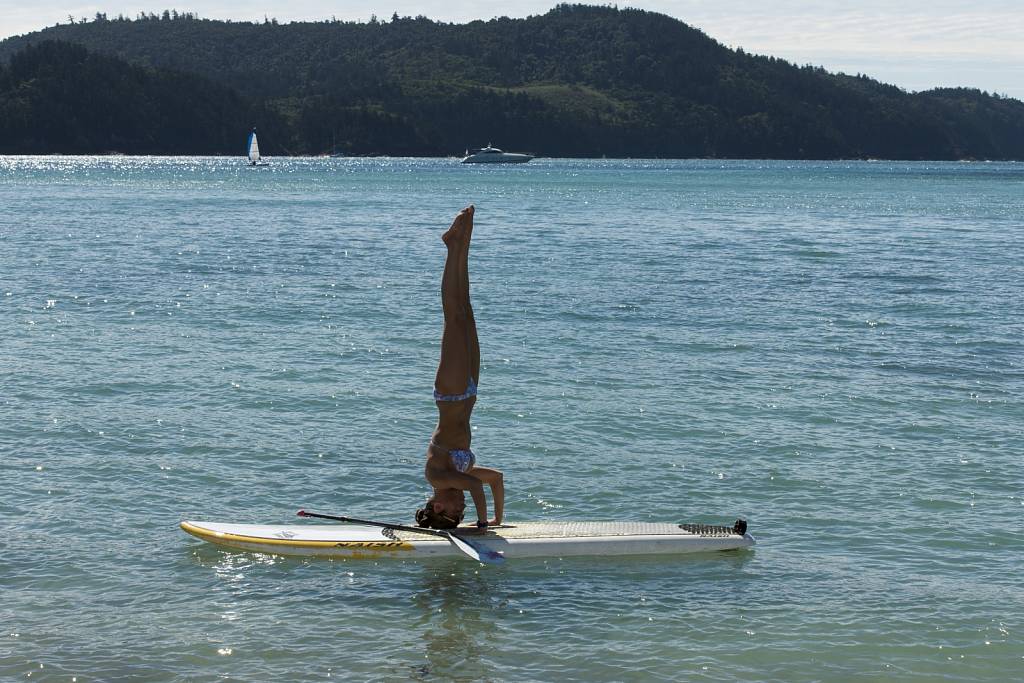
pixel 528 539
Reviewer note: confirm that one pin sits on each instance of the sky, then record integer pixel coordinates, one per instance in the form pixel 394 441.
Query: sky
pixel 915 44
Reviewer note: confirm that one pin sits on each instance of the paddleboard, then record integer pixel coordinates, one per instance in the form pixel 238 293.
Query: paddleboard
pixel 526 539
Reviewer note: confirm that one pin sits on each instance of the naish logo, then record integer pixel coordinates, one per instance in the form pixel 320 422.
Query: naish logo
pixel 287 535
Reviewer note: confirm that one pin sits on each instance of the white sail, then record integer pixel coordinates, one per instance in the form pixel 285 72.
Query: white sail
pixel 254 148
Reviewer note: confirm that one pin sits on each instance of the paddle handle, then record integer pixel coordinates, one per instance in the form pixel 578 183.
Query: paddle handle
pixel 384 525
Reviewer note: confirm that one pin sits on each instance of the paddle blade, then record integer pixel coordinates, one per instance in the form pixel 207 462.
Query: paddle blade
pixel 479 554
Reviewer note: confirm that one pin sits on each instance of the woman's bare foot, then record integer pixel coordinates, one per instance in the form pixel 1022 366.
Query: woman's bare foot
pixel 461 228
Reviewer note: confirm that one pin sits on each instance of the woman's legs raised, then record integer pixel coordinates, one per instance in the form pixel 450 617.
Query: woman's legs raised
pixel 455 367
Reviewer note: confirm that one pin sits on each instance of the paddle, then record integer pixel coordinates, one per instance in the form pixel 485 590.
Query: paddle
pixel 479 554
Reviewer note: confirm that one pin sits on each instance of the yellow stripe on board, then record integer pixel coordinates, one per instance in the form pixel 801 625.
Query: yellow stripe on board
pixel 222 537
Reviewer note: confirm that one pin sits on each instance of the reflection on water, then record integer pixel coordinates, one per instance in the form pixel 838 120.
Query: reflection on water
pixel 477 622
pixel 456 606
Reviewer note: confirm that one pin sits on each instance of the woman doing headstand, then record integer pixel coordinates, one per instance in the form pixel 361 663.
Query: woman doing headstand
pixel 451 465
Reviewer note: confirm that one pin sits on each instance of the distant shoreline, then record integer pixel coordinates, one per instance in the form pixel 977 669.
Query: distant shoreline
pixel 242 161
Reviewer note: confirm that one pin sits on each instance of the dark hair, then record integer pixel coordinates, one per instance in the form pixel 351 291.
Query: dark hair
pixel 428 517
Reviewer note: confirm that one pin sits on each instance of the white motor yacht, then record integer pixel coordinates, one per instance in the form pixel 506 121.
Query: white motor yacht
pixel 493 155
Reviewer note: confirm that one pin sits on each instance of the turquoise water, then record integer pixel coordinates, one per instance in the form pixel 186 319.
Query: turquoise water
pixel 830 350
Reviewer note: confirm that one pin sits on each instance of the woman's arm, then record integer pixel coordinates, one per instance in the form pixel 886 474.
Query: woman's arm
pixel 479 500
pixel 496 480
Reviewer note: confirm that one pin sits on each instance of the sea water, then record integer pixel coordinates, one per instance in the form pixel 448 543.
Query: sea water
pixel 832 351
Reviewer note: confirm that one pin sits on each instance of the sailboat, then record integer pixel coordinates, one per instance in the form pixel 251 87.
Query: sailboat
pixel 335 154
pixel 253 147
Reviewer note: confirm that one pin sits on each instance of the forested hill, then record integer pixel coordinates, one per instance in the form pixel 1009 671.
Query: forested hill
pixel 58 97
pixel 577 81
